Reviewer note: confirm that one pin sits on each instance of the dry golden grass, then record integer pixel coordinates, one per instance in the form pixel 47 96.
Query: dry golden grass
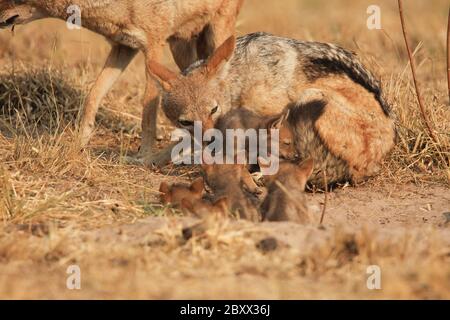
pixel 226 263
pixel 60 205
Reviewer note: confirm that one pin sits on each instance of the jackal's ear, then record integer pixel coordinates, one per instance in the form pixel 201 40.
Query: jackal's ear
pixel 263 163
pixel 306 168
pixel 221 56
pixel 277 122
pixel 207 160
pixel 198 185
pixel 164 74
pixel 208 169
pixel 164 188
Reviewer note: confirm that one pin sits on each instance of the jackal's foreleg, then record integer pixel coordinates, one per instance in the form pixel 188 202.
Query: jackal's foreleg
pixel 184 52
pixel 221 27
pixel 249 183
pixel 152 100
pixel 118 59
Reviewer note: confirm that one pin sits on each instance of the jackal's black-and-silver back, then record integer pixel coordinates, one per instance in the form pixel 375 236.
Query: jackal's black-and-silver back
pixel 340 116
pixel 310 61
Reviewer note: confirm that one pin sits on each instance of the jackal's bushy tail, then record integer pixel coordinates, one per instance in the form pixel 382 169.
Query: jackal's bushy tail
pixel 325 58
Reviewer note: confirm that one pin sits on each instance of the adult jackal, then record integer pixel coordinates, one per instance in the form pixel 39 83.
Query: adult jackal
pixel 192 28
pixel 337 111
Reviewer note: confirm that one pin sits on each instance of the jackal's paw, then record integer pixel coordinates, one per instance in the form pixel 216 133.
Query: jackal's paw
pixel 135 161
pixel 257 191
pixel 153 160
pixel 159 159
pixel 258 178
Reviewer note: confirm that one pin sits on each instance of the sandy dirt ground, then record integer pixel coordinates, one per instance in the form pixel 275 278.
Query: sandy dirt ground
pixel 404 231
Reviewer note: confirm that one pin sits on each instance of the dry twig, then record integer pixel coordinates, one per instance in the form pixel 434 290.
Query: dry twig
pixel 413 70
pixel 324 209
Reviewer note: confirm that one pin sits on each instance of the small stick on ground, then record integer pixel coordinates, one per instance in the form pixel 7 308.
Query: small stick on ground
pixel 324 209
pixel 413 70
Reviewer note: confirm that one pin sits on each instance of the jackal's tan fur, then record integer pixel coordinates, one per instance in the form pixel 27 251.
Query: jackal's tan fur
pixel 346 125
pixel 242 118
pixel 226 181
pixel 205 209
pixel 286 200
pixel 174 194
pixel 193 28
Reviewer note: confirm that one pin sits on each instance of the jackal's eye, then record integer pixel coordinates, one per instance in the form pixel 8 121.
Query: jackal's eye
pixel 287 142
pixel 186 123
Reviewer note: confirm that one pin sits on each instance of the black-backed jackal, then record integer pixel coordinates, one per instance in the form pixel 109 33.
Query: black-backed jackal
pixel 192 28
pixel 337 109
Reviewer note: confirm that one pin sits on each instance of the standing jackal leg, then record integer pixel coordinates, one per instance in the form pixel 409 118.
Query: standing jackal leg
pixel 184 52
pixel 118 59
pixel 222 26
pixel 147 153
pixel 149 122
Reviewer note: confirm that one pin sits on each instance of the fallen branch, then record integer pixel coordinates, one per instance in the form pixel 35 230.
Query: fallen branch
pixel 414 73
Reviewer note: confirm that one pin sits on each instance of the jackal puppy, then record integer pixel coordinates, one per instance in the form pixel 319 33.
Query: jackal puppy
pixel 191 201
pixel 205 209
pixel 245 119
pixel 226 181
pixel 241 121
pixel 174 194
pixel 286 200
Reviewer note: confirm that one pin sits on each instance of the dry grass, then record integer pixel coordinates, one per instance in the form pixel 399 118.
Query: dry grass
pixel 226 263
pixel 60 205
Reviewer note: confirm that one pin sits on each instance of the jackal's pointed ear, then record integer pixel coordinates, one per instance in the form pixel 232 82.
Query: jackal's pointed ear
pixel 264 163
pixel 208 169
pixel 198 185
pixel 221 56
pixel 277 122
pixel 164 188
pixel 306 169
pixel 164 74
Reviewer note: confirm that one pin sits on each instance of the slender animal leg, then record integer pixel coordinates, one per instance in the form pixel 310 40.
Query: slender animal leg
pixel 206 42
pixel 249 183
pixel 184 52
pixel 223 25
pixel 152 101
pixel 118 59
